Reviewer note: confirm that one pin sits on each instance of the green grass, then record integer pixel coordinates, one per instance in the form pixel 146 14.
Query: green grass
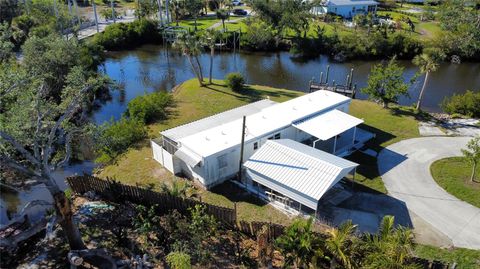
pixel 465 258
pixel 390 126
pixel 453 174
pixel 202 23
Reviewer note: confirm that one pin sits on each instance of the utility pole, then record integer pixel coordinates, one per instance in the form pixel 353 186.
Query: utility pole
pixel 113 12
pixel 242 145
pixel 167 11
pixel 160 11
pixel 95 13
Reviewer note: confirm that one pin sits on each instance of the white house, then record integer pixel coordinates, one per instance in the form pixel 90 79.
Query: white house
pixel 208 150
pixel 346 8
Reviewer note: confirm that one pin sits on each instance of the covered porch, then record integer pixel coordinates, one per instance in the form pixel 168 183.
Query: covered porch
pixel 292 176
pixel 334 132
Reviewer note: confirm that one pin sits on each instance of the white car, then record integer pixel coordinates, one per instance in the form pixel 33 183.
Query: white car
pixel 236 3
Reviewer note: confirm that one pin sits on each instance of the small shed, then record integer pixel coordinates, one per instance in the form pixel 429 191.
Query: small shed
pixel 297 174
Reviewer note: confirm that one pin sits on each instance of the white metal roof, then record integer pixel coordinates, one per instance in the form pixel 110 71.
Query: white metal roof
pixel 328 125
pixel 194 127
pixel 351 2
pixel 268 120
pixel 188 156
pixel 297 171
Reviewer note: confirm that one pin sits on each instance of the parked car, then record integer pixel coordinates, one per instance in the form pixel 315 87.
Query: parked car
pixel 240 12
pixel 236 3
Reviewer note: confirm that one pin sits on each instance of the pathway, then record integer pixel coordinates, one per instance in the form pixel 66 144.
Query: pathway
pixel 405 169
pixel 219 24
pixel 92 30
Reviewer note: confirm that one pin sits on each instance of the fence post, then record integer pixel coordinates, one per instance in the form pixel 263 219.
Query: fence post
pixel 235 212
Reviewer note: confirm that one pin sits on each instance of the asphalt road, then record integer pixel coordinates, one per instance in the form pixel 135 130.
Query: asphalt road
pixel 405 169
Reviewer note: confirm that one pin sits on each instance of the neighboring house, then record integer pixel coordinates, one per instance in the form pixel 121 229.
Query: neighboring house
pixel 346 8
pixel 208 150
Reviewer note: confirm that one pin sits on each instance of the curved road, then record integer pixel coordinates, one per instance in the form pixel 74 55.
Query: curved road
pixel 405 169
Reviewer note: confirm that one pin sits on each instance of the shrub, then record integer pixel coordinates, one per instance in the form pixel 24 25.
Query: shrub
pixel 126 35
pixel 259 36
pixel 234 81
pixel 179 260
pixel 115 137
pixel 467 104
pixel 150 107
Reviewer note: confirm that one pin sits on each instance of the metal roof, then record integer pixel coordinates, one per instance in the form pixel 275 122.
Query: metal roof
pixel 268 120
pixel 350 2
pixel 300 172
pixel 194 127
pixel 328 125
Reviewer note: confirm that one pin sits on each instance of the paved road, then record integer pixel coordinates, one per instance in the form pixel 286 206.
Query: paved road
pixel 405 169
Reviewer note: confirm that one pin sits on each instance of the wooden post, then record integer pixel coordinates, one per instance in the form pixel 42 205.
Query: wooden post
pixel 334 145
pixel 242 145
pixel 328 71
pixel 235 210
pixel 351 79
pixel 321 78
pixel 354 91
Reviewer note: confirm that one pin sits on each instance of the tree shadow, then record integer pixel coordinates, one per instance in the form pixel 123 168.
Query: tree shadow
pixel 236 194
pixel 249 94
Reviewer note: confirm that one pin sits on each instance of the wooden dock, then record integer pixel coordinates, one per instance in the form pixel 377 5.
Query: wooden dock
pixel 347 89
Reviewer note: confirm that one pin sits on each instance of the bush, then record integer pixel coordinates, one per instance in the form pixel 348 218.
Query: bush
pixel 150 107
pixel 127 35
pixel 115 137
pixel 234 81
pixel 179 260
pixel 259 36
pixel 467 104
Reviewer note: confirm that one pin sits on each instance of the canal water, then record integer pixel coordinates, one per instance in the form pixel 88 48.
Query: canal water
pixel 154 68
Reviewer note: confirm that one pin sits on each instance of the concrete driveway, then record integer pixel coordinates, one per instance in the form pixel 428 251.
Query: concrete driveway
pixel 405 169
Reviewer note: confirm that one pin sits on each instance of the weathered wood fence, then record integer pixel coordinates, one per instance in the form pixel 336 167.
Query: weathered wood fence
pixel 114 191
pixel 117 192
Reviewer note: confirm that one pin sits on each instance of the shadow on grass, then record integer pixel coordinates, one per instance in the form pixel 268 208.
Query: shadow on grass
pixel 410 112
pixel 249 94
pixel 236 194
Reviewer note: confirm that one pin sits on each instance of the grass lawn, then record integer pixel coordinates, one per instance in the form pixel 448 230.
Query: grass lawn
pixel 453 174
pixel 390 126
pixel 136 166
pixel 465 258
pixel 202 23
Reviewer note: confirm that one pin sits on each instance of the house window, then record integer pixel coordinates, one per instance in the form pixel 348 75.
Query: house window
pixel 277 136
pixel 270 138
pixel 222 161
pixel 255 146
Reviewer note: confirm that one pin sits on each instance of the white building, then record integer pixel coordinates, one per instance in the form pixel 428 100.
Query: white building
pixel 208 150
pixel 346 8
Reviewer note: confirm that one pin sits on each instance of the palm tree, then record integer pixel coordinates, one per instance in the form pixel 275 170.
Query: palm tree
pixel 178 189
pixel 190 47
pixel 299 244
pixel 210 39
pixel 391 247
pixel 223 14
pixel 340 245
pixel 427 63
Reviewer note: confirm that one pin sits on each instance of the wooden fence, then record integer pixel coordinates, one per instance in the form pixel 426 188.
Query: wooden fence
pixel 116 192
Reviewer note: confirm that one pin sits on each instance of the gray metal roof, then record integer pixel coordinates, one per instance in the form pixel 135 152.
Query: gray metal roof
pixel 194 127
pixel 297 171
pixel 351 2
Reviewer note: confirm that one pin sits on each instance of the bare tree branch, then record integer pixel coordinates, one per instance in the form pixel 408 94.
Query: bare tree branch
pixel 21 168
pixel 71 108
pixel 26 154
pixel 68 151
